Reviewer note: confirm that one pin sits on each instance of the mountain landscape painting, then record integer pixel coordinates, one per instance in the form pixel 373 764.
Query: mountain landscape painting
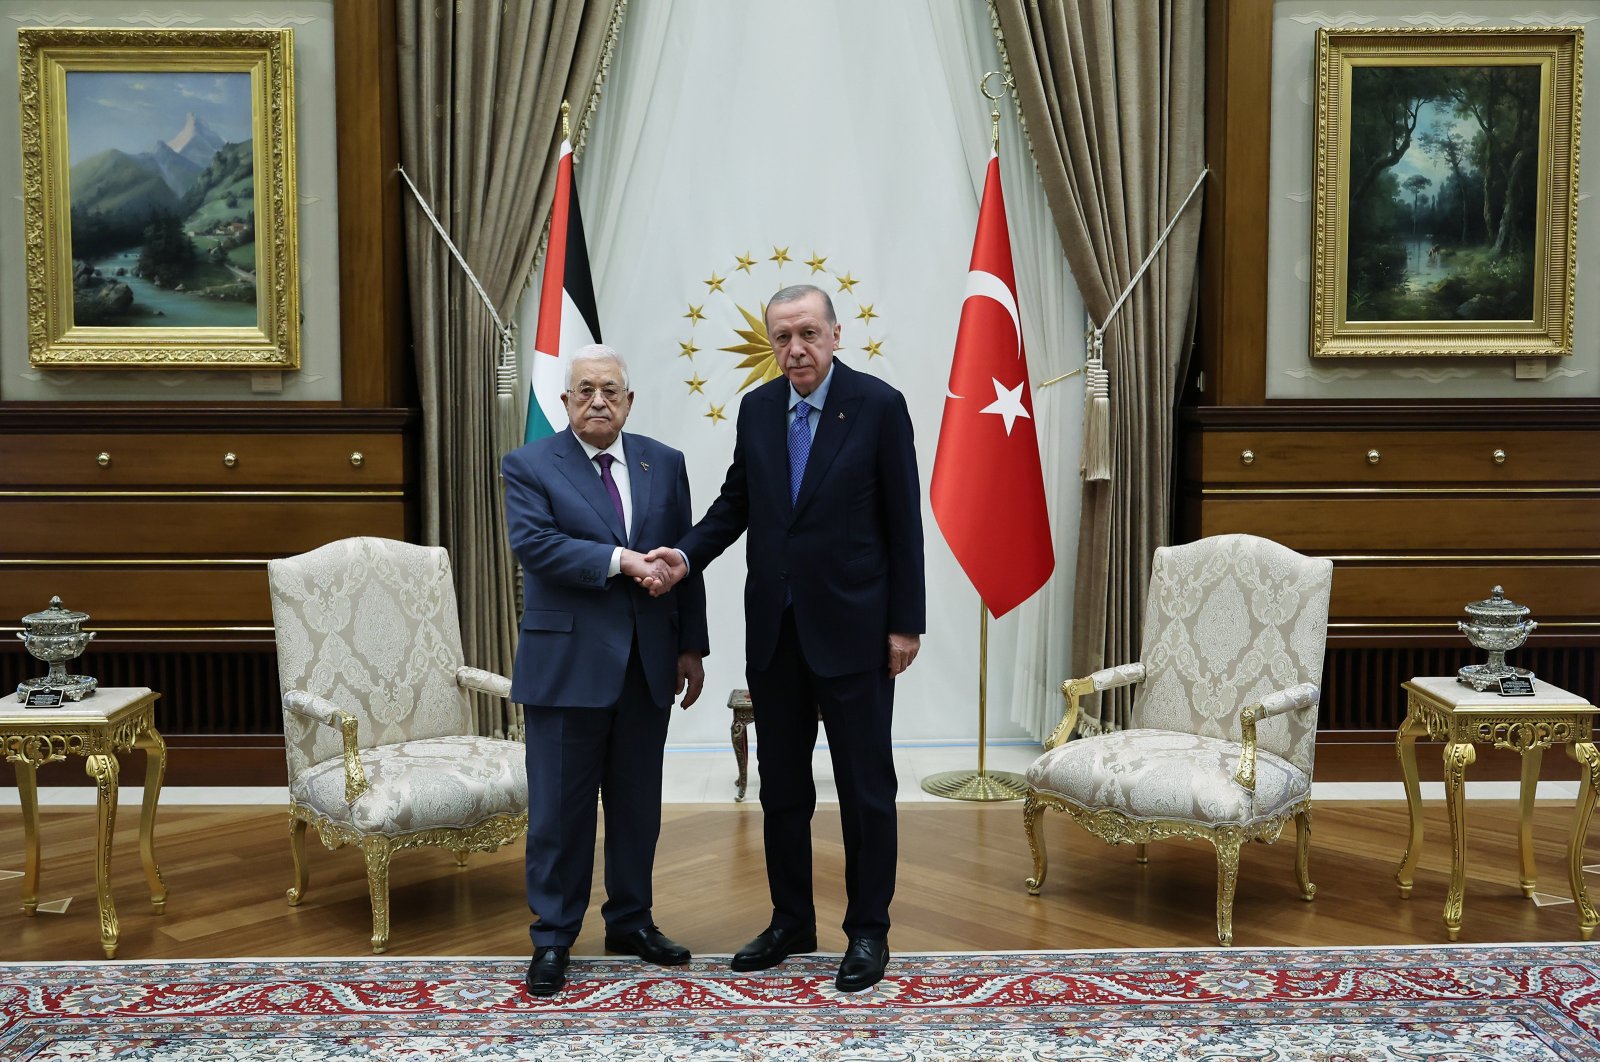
pixel 162 193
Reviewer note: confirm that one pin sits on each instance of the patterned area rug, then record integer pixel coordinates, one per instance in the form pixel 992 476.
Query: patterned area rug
pixel 1349 1004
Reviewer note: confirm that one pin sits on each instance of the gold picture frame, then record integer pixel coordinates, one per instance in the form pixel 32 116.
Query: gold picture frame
pixel 147 250
pixel 1446 191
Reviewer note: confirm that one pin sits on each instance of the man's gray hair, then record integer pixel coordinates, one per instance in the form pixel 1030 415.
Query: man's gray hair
pixel 796 292
pixel 595 352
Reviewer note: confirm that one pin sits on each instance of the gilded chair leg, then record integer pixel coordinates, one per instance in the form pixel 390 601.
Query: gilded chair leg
pixel 1302 853
pixel 1031 812
pixel 1228 842
pixel 1141 853
pixel 297 849
pixel 377 851
pixel 461 858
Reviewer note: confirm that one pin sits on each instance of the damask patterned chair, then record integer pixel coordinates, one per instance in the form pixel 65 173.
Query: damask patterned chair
pixel 1224 724
pixel 376 718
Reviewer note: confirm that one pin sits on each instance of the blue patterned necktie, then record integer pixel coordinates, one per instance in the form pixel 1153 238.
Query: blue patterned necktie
pixel 799 447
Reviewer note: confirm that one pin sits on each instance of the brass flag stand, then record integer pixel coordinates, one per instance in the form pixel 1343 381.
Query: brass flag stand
pixel 979 784
pixel 982 784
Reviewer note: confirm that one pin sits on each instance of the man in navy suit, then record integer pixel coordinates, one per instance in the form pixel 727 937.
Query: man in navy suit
pixel 824 480
pixel 598 661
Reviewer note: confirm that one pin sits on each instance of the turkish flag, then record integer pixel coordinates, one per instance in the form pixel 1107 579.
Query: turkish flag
pixel 988 488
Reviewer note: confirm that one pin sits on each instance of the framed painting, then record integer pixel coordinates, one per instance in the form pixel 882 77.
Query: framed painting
pixel 1446 191
pixel 159 198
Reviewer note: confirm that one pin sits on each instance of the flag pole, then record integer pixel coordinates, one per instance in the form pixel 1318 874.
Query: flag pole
pixel 981 784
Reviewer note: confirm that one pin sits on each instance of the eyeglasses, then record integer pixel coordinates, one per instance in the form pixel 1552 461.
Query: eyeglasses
pixel 611 394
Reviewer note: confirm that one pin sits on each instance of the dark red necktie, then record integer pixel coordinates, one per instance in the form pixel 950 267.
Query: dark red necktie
pixel 611 487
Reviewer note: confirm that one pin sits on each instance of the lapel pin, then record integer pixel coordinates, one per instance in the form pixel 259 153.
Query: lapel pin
pixel 644 466
pixel 841 416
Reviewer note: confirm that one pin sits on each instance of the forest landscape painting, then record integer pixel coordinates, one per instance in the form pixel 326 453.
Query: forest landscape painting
pixel 159 198
pixel 163 198
pixel 1445 192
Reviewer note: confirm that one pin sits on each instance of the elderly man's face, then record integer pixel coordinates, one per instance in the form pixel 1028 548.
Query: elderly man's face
pixel 803 341
pixel 597 402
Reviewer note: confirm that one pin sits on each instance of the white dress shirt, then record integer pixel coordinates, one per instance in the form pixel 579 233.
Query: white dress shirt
pixel 619 476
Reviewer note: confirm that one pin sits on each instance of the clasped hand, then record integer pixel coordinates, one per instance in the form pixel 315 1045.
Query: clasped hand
pixel 657 571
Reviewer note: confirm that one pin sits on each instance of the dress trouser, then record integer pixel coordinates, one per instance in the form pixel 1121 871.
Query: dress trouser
pixel 856 711
pixel 573 754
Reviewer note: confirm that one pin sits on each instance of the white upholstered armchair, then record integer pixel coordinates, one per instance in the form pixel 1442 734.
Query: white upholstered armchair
pixel 376 719
pixel 1224 722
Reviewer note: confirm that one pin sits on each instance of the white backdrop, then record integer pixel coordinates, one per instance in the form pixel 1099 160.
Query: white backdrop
pixel 855 133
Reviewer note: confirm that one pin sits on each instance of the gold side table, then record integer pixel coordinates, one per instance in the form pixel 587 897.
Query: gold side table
pixel 97 728
pixel 1445 710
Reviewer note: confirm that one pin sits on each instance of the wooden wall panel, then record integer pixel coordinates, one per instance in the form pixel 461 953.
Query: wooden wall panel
pixel 1438 591
pixel 260 459
pixel 181 527
pixel 1420 457
pixel 124 595
pixel 1318 523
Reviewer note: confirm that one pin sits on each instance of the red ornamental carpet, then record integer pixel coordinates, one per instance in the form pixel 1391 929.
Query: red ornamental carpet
pixel 1443 1004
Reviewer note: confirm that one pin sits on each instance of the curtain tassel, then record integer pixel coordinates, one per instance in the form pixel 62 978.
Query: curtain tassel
pixel 1096 423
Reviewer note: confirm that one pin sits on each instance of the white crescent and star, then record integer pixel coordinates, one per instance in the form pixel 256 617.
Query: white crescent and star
pixel 1007 400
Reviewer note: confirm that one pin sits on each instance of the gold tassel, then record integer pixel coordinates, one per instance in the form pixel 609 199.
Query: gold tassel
pixel 1096 422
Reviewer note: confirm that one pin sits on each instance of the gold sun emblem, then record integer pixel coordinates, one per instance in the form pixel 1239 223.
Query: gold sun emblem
pixel 753 351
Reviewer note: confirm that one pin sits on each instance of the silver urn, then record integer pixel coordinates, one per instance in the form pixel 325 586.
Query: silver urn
pixel 1499 626
pixel 55 636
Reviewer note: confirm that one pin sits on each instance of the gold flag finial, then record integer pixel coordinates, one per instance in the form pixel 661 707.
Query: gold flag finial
pixel 994 103
pixel 566 118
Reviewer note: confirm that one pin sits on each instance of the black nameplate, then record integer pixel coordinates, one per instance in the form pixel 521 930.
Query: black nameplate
pixel 43 697
pixel 1516 686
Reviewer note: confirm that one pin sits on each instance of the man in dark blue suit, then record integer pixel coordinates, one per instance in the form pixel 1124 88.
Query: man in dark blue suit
pixel 598 661
pixel 824 480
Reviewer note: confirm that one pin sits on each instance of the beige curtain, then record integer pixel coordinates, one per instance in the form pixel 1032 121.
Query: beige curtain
pixel 481 86
pixel 1112 95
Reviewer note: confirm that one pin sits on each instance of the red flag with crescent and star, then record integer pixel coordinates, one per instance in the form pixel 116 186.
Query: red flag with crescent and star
pixel 988 487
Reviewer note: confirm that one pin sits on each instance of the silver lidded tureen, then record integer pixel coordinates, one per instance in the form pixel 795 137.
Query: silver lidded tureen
pixel 55 637
pixel 1499 626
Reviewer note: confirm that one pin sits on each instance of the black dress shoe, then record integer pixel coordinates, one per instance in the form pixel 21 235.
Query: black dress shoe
pixel 865 959
pixel 774 945
pixel 650 944
pixel 547 973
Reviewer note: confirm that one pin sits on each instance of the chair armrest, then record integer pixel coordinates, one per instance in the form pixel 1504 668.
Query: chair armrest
pixel 327 713
pixel 1293 699
pixel 1073 690
pixel 475 678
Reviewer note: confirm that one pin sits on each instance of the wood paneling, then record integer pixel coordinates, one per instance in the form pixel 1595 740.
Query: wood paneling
pixel 373 331
pixel 1318 523
pixel 1422 457
pixel 209 594
pixel 1438 591
pixel 182 527
pixel 1232 324
pixel 260 459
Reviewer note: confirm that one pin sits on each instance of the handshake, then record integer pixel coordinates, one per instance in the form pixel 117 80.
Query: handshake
pixel 657 571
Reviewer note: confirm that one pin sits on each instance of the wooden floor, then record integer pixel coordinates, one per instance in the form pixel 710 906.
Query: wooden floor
pixel 960 887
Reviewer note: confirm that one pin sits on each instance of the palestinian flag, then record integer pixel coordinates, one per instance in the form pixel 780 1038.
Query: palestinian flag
pixel 567 316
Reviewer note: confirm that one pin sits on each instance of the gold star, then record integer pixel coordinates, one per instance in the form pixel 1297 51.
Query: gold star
pixel 865 313
pixel 716 414
pixel 694 313
pixel 745 261
pixel 847 282
pixel 688 350
pixel 756 348
pixel 696 385
pixel 779 255
pixel 874 348
pixel 816 262
pixel 715 283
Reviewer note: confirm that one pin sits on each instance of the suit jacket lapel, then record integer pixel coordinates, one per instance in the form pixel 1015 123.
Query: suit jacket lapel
pixel 582 474
pixel 641 478
pixel 833 425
